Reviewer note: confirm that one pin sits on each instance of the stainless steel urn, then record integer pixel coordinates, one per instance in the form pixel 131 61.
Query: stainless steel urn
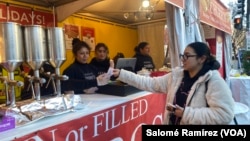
pixel 36 53
pixel 56 46
pixel 11 56
pixel 11 45
pixel 35 46
pixel 57 53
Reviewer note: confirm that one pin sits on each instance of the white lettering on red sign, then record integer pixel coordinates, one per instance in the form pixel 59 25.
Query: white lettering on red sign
pixel 107 120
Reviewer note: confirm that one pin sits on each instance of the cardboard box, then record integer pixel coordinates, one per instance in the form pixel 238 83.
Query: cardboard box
pixel 7 123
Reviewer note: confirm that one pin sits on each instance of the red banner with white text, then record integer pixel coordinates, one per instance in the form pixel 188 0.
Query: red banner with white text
pixel 119 123
pixel 213 13
pixel 26 15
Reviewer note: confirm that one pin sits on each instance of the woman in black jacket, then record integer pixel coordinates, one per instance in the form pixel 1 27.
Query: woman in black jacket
pixel 144 60
pixel 101 60
pixel 83 77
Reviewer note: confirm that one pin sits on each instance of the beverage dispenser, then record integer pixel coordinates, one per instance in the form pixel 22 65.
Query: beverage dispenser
pixel 57 53
pixel 35 54
pixel 11 57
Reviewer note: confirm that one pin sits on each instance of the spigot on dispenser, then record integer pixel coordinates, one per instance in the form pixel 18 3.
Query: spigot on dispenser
pixel 36 81
pixel 10 100
pixel 39 80
pixel 55 80
pixel 15 83
pixel 61 77
pixel 3 79
pixel 51 80
pixel 58 78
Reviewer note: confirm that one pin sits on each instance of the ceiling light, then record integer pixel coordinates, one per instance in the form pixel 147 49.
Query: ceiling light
pixel 145 11
pixel 145 3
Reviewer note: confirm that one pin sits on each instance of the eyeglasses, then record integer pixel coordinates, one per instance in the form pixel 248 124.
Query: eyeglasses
pixel 185 56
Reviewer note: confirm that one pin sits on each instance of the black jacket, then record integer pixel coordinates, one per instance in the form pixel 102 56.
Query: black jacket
pixel 81 76
pixel 143 61
pixel 102 66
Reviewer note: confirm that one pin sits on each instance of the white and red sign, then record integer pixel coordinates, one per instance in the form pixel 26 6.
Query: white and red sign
pixel 119 123
pixel 88 35
pixel 71 32
pixel 26 15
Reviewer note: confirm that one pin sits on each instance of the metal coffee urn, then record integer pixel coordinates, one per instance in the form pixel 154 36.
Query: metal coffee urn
pixel 57 53
pixel 35 54
pixel 11 57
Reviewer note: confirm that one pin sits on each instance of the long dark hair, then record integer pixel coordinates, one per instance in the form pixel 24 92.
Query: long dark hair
pixel 201 49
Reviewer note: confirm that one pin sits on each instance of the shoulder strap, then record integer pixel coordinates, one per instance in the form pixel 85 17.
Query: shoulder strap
pixel 206 83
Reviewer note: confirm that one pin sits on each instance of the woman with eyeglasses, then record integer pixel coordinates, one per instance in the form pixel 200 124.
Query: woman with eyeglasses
pixel 196 92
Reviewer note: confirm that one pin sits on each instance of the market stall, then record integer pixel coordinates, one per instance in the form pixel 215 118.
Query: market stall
pixel 102 116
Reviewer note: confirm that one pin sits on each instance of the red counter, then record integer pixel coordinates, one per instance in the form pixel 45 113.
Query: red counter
pixel 105 118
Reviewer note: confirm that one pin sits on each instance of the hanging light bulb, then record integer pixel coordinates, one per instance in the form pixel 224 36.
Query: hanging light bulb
pixel 145 3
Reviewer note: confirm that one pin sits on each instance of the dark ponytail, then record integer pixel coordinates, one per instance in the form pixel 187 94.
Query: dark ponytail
pixel 137 50
pixel 140 46
pixel 212 62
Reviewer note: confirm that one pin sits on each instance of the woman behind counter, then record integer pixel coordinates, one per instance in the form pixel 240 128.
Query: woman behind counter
pixel 101 60
pixel 143 58
pixel 83 77
pixel 197 92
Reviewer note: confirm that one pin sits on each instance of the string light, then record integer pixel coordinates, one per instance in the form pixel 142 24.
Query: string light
pixel 145 3
pixel 146 10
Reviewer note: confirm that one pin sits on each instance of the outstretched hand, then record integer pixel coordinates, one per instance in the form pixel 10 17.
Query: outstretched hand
pixel 111 67
pixel 116 72
pixel 112 71
pixel 103 79
pixel 111 64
